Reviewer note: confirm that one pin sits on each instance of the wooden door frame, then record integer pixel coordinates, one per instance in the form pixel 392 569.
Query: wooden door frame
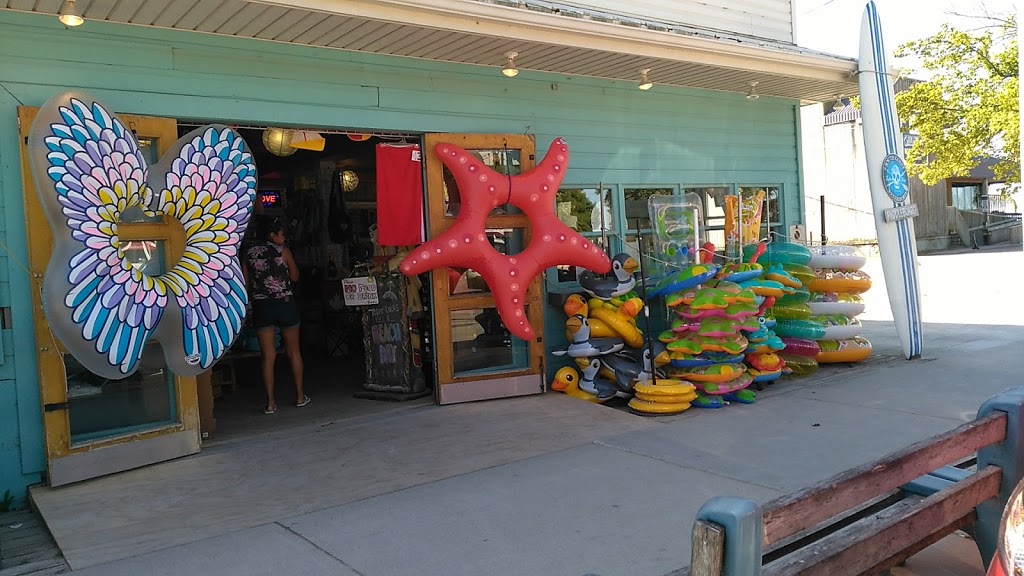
pixel 451 388
pixel 67 462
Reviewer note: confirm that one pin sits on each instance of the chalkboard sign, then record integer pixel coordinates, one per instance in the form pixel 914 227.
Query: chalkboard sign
pixel 386 337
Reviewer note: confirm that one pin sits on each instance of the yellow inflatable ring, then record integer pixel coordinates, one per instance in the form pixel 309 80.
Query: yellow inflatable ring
pixel 673 399
pixel 645 407
pixel 850 350
pixel 848 281
pixel 620 324
pixel 664 387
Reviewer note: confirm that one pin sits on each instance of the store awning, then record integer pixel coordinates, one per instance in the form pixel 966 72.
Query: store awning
pixel 479 32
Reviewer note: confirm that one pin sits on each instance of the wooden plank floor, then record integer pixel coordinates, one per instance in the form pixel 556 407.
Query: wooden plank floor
pixel 26 547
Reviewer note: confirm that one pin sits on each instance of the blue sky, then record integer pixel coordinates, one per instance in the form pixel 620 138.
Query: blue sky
pixel 833 26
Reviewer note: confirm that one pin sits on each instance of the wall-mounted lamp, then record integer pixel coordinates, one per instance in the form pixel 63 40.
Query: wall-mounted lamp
pixel 752 92
pixel 510 69
pixel 69 15
pixel 645 82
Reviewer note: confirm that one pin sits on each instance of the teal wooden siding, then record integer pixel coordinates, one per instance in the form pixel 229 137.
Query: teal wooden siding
pixel 617 134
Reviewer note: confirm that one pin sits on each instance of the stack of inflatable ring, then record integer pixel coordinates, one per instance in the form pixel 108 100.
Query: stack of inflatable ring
pixel 707 341
pixel 662 396
pixel 836 302
pixel 794 322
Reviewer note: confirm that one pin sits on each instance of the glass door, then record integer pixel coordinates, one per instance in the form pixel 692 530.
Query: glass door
pixel 477 358
pixel 95 426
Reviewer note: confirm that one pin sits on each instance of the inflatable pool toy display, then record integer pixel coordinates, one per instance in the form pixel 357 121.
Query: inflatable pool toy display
pixel 826 303
pixel 780 253
pixel 801 347
pixel 836 302
pixel 621 282
pixel 663 396
pixel 799 365
pixel 839 327
pixel 844 281
pixel 89 171
pixel 805 274
pixel 567 381
pixel 837 257
pixel 807 329
pixel 856 349
pixel 582 345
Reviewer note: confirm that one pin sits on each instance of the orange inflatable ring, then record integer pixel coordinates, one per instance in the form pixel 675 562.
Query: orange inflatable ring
pixel 848 281
pixel 850 350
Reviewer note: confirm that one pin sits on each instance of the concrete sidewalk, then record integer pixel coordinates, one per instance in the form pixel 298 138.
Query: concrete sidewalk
pixel 547 484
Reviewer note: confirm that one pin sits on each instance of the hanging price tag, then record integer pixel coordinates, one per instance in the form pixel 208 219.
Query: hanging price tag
pixel 359 291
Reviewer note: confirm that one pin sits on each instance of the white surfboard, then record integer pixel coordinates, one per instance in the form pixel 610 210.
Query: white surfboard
pixel 890 186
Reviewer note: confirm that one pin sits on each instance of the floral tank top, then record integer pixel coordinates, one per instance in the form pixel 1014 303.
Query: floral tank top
pixel 268 274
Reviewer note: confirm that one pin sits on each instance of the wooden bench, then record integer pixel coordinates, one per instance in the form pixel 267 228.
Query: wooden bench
pixel 876 516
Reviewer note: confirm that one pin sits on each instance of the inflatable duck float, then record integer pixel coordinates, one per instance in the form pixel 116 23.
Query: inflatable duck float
pixel 567 381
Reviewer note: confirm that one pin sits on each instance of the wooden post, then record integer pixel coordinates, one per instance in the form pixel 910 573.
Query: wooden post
pixel 708 550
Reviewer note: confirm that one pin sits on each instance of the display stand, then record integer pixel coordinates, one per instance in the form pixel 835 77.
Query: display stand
pixel 389 374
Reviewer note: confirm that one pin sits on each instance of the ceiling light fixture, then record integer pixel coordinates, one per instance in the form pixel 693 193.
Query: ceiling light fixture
pixel 839 105
pixel 645 82
pixel 69 15
pixel 510 69
pixel 752 93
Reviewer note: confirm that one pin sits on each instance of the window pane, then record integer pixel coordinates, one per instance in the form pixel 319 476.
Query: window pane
pixel 636 205
pixel 501 161
pixel 145 255
pixel 712 199
pixel 482 345
pixel 99 408
pixel 578 209
pixel 507 241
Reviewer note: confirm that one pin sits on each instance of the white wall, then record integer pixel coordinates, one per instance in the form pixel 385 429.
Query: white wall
pixel 834 165
pixel 760 18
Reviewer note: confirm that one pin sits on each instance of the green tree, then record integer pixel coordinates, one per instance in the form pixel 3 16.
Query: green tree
pixel 970 108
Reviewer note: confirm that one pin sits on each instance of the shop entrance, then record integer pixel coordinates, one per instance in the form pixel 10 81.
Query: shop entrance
pixel 340 198
pixel 369 335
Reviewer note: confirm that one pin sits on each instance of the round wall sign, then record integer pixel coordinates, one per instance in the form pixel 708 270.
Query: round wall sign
pixel 894 178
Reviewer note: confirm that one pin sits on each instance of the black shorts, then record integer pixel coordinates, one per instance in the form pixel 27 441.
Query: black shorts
pixel 280 313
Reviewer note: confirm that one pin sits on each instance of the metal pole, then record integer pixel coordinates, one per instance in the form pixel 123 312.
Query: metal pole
pixel 647 309
pixel 604 227
pixel 824 238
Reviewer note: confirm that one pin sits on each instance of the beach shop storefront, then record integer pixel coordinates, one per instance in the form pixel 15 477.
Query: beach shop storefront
pixel 722 114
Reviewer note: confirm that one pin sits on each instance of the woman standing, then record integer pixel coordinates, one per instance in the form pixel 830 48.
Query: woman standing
pixel 269 271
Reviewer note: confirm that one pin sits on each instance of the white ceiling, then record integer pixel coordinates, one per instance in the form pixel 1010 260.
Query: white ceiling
pixel 474 32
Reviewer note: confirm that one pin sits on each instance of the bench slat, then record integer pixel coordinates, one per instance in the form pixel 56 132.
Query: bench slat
pixel 882 542
pixel 796 512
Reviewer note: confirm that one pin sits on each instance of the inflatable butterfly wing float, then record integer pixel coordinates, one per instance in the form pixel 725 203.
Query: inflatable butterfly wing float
pixel 103 308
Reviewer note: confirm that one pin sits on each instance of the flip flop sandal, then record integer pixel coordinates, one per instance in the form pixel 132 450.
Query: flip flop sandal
pixel 305 400
pixel 270 410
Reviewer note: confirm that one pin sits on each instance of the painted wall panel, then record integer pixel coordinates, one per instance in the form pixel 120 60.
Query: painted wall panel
pixel 617 134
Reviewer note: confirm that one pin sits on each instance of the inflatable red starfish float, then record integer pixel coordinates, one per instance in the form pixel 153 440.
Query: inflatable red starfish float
pixel 465 243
